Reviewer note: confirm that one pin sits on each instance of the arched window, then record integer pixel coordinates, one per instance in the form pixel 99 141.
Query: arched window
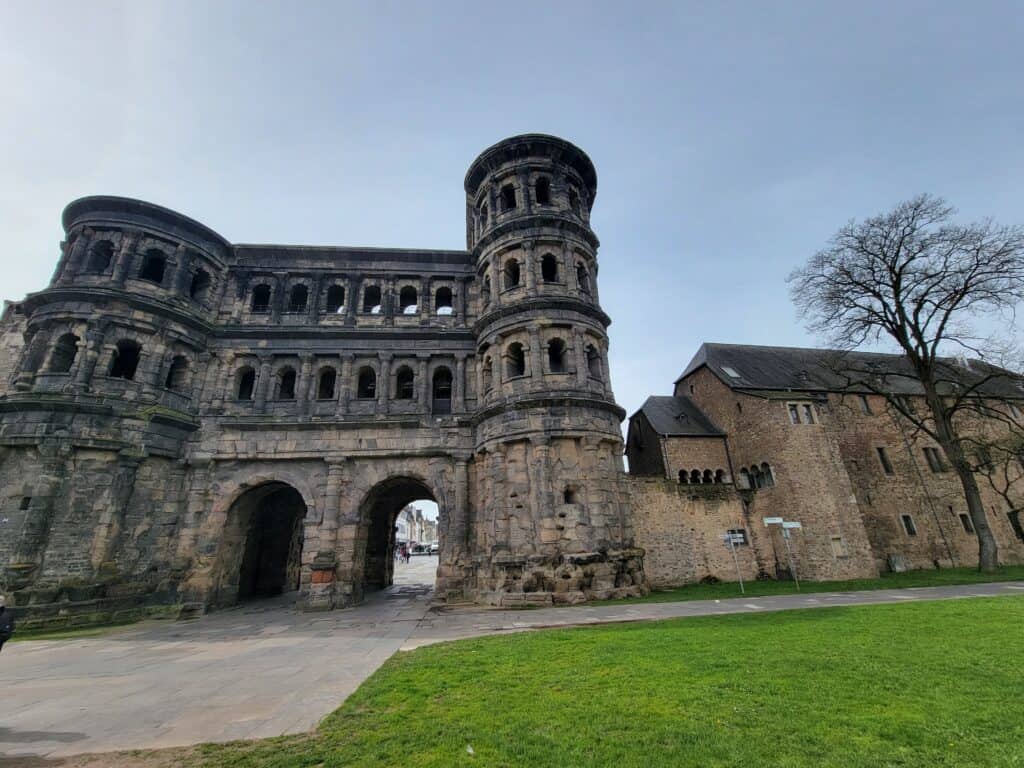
pixel 100 256
pixel 508 198
pixel 298 298
pixel 286 384
pixel 745 479
pixel 556 356
pixel 769 477
pixel 441 391
pixel 574 200
pixel 325 385
pixel 757 476
pixel 511 273
pixel 125 360
pixel 177 374
pixel 582 278
pixel 719 476
pixel 199 289
pixel 371 300
pixel 695 477
pixel 549 268
pixel 485 292
pixel 407 300
pixel 153 265
pixel 64 352
pixel 543 191
pixel 261 298
pixel 366 388
pixel 709 478
pixel 443 301
pixel 336 299
pixel 593 362
pixel 516 360
pixel 488 374
pixel 245 383
pixel 684 477
pixel 482 216
pixel 405 384
pixel 569 495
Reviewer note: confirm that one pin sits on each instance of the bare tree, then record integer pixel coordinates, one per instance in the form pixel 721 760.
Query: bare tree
pixel 915 278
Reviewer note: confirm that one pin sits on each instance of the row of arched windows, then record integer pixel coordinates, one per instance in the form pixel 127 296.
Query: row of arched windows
pixel 512 196
pixel 702 477
pixel 758 476
pixel 298 300
pixel 512 275
pixel 153 268
pixel 557 361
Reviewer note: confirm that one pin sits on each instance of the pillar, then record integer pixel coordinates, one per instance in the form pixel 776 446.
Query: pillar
pixel 383 382
pixel 425 302
pixel 313 306
pixel 459 385
pixel 74 256
pixel 262 384
pixel 93 344
pixel 352 286
pixel 223 381
pixel 581 358
pixel 125 257
pixel 422 385
pixel 345 383
pixel 536 360
pixel 304 386
pixel 529 263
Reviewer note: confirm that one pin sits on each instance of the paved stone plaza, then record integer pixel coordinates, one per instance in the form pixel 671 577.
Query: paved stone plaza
pixel 267 669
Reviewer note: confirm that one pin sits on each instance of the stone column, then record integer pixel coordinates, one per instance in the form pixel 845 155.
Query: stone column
pixel 304 388
pixel 223 381
pixel 197 504
pixel 582 369
pixel 125 257
pixel 241 296
pixel 314 299
pixel 569 266
pixel 459 385
pixel 113 514
pixel 345 383
pixel 262 384
pixel 524 189
pixel 536 358
pixel 32 360
pixel 93 343
pixel 179 280
pixel 606 375
pixel 74 256
pixel 384 381
pixel 495 273
pixel 425 302
pixel 352 286
pixel 460 301
pixel 529 262
pixel 422 385
pixel 278 298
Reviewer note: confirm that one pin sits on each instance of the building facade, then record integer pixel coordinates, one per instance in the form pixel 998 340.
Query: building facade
pixel 771 432
pixel 188 420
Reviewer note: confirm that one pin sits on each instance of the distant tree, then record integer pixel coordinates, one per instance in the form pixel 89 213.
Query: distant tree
pixel 915 278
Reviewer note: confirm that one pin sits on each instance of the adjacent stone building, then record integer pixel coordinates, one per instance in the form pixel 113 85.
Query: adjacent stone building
pixel 774 432
pixel 186 419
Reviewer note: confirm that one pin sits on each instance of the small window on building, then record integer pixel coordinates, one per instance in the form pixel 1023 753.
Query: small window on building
pixel 261 298
pixel 298 298
pixel 100 256
pixel 511 274
pixel 838 546
pixel 286 384
pixel 153 266
pixel 246 383
pixel 1014 410
pixel 965 521
pixel 684 476
pixel 508 198
pixel 556 356
pixel 719 476
pixel 794 414
pixel 336 300
pixel 516 360
pixel 582 278
pixel 1015 523
pixel 405 384
pixel 569 496
pixel 808 414
pixel 441 391
pixel 731 372
pixel 177 374
pixel 934 459
pixel 64 353
pixel 371 300
pixel 407 300
pixel 549 268
pixel 865 404
pixel 908 525
pixel 443 304
pixel 26 502
pixel 694 477
pixel 125 360
pixel 739 536
pixel 593 362
pixel 483 214
pixel 325 386
pixel 883 458
pixel 199 288
pixel 543 191
pixel 767 474
pixel 366 388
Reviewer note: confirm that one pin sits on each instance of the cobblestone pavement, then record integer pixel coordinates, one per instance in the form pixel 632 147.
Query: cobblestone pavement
pixel 266 669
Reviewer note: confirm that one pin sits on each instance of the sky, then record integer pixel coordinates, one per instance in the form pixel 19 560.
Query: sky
pixel 730 139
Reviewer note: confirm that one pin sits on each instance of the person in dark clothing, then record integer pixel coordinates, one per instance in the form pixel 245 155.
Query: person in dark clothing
pixel 6 622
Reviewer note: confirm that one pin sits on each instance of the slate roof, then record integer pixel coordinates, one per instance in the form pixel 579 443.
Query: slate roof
pixel 775 369
pixel 677 416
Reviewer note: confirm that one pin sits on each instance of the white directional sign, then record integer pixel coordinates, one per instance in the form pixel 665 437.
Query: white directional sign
pixel 772 521
pixel 792 525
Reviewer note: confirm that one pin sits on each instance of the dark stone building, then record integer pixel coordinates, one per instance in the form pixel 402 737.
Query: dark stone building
pixel 184 419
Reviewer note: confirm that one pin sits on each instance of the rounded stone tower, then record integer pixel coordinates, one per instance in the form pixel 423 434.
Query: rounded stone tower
pixel 552 522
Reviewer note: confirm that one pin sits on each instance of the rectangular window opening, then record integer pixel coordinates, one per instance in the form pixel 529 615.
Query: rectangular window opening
pixel 934 459
pixel 865 404
pixel 794 414
pixel 908 525
pixel 1015 523
pixel 965 521
pixel 883 458
pixel 26 502
pixel 838 546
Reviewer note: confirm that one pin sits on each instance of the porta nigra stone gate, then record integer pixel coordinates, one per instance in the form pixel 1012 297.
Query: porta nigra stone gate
pixel 187 420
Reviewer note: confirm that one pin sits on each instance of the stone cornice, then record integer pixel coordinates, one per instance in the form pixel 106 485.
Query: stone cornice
pixel 535 225
pixel 540 303
pixel 549 400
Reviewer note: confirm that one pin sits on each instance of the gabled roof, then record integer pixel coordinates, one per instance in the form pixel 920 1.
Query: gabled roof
pixel 747 367
pixel 677 416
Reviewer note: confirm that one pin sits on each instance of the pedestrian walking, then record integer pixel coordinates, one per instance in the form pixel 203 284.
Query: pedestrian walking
pixel 6 622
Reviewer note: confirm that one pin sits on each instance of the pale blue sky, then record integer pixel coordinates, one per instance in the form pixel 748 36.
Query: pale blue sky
pixel 730 139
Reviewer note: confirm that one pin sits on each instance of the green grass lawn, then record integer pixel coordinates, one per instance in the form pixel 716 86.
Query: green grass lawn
pixel 931 578
pixel 925 684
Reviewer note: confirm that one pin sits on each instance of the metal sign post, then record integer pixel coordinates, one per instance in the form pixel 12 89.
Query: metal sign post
pixel 787 526
pixel 730 540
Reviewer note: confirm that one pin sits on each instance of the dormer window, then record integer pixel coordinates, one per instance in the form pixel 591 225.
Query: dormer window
pixel 731 372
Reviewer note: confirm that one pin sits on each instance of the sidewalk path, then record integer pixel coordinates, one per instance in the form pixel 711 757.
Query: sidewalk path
pixel 267 669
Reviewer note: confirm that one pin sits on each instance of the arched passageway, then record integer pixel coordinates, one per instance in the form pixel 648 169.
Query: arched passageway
pixel 262 553
pixel 378 515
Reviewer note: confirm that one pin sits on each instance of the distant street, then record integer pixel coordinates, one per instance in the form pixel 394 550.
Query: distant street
pixel 421 569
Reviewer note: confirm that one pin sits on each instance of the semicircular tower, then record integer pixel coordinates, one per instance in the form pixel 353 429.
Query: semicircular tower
pixel 552 522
